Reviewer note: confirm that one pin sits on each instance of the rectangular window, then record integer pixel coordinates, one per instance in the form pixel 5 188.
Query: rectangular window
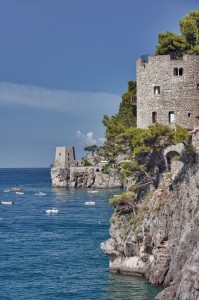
pixel 154 117
pixel 171 117
pixel 156 90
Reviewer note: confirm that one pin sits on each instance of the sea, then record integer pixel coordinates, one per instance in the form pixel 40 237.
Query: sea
pixel 46 256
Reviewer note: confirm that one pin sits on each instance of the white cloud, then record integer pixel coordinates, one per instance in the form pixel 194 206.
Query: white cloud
pixel 86 139
pixel 75 103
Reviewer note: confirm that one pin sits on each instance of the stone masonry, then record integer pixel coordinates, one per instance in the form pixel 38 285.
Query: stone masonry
pixel 168 91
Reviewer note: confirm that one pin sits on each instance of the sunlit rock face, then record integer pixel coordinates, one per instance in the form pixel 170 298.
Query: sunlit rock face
pixel 163 244
pixel 85 177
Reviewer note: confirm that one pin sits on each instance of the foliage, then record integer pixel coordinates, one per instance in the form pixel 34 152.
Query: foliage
pixel 129 196
pixel 190 149
pixel 188 42
pixel 105 169
pixel 156 138
pixel 173 44
pixel 127 111
pixel 91 148
pixel 175 158
pixel 86 163
pixel 126 116
pixel 144 144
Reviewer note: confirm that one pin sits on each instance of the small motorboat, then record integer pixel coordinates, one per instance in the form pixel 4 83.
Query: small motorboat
pixel 16 189
pixel 92 192
pixel 90 203
pixel 7 202
pixel 6 191
pixel 52 211
pixel 40 194
pixel 19 193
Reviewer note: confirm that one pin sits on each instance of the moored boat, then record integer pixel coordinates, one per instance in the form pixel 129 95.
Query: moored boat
pixel 16 189
pixel 40 194
pixel 52 211
pixel 7 202
pixel 89 203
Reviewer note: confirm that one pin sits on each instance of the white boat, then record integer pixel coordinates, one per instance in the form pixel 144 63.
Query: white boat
pixel 6 190
pixel 40 194
pixel 7 202
pixel 52 211
pixel 19 193
pixel 89 203
pixel 92 192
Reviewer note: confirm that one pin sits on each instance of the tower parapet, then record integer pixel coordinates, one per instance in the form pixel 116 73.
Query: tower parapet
pixel 168 91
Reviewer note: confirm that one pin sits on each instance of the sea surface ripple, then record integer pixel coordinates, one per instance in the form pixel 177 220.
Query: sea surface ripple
pixel 58 256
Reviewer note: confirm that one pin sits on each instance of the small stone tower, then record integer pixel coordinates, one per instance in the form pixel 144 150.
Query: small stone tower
pixel 65 156
pixel 168 91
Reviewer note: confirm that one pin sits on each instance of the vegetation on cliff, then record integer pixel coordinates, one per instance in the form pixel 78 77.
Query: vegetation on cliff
pixel 141 149
pixel 186 43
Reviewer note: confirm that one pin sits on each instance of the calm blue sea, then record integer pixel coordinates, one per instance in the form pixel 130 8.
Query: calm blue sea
pixel 52 257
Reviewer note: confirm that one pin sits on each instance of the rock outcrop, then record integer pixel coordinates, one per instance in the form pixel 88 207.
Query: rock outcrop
pixel 92 172
pixel 161 242
pixel 85 177
pixel 60 176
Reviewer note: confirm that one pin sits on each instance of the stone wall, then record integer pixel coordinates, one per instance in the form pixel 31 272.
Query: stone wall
pixel 177 93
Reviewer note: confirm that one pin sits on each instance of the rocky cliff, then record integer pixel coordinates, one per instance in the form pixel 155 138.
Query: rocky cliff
pixel 97 174
pixel 159 237
pixel 85 177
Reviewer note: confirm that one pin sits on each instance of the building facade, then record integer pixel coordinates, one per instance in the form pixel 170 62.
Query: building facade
pixel 65 156
pixel 168 91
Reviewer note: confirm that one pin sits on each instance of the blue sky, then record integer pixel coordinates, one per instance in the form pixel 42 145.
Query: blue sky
pixel 66 63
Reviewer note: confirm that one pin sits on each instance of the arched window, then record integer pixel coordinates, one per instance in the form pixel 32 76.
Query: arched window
pixel 175 71
pixel 181 71
pixel 156 90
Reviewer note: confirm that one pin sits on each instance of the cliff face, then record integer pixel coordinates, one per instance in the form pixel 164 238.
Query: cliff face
pixel 59 176
pixel 161 242
pixel 85 177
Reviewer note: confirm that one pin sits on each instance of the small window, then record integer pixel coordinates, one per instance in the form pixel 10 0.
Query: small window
pixel 189 115
pixel 181 71
pixel 175 71
pixel 59 154
pixel 198 86
pixel 154 117
pixel 156 90
pixel 171 117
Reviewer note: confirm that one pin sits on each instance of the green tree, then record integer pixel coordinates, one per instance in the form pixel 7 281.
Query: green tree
pixel 119 123
pixel 91 148
pixel 172 44
pixel 127 112
pixel 178 45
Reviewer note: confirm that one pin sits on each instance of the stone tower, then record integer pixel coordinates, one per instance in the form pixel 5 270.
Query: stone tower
pixel 65 156
pixel 168 91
